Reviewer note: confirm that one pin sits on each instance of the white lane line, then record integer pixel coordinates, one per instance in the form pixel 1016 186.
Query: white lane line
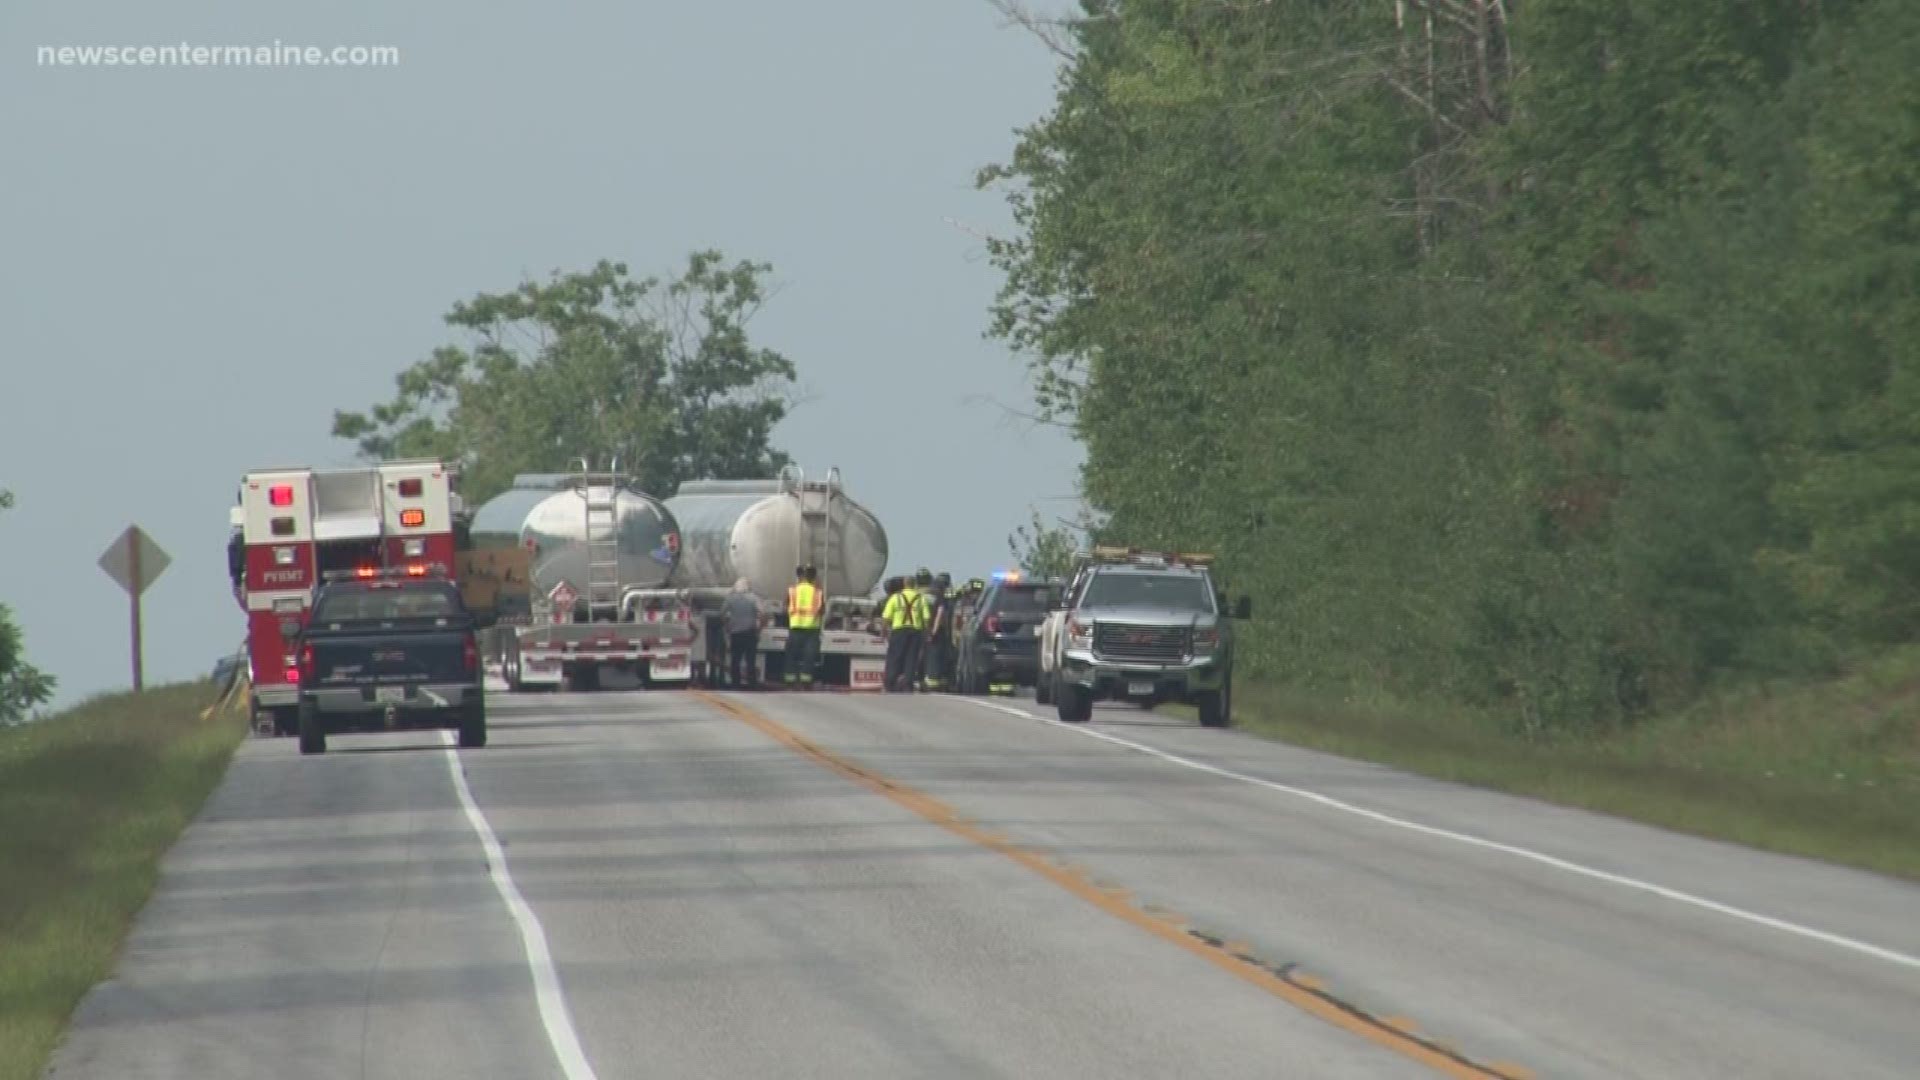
pixel 1877 952
pixel 546 978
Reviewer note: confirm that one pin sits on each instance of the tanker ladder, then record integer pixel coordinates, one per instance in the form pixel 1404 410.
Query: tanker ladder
pixel 602 542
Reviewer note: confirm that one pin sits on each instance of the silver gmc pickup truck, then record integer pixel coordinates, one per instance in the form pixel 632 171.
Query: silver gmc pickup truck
pixel 1142 627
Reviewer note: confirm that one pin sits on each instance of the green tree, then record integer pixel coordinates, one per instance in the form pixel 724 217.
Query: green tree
pixel 595 364
pixel 1565 366
pixel 22 686
pixel 1047 551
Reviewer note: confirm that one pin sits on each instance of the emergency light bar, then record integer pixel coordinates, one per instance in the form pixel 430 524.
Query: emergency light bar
pixel 1109 553
pixel 381 573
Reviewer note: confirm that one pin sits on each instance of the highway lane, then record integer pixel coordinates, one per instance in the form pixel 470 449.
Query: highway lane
pixel 1508 958
pixel 714 904
pixel 836 885
pixel 322 918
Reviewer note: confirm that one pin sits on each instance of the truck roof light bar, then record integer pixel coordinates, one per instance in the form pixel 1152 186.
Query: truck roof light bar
pixel 1107 553
pixel 384 573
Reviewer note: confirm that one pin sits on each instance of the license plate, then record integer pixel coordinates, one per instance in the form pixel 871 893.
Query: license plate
pixel 390 693
pixel 1140 689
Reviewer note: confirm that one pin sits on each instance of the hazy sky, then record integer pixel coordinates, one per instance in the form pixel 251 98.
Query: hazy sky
pixel 199 264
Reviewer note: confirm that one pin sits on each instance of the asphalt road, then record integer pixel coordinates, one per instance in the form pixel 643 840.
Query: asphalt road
pixel 667 884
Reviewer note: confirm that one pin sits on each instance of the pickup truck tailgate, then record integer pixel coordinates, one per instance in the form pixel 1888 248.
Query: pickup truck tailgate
pixel 389 660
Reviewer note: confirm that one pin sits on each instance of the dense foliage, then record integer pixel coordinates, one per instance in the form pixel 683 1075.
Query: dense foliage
pixel 595 364
pixel 22 686
pixel 1556 357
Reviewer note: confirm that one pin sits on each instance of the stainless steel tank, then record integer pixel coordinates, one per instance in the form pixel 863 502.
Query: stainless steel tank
pixel 762 529
pixel 548 514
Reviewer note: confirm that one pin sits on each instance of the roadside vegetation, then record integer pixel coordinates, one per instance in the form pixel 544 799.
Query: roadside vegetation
pixel 90 799
pixel 1552 365
pixel 1827 771
pixel 22 686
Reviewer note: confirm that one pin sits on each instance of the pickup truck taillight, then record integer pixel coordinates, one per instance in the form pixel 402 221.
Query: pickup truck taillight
pixel 469 653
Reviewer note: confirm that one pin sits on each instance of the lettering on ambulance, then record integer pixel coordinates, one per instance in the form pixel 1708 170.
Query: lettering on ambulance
pixel 267 569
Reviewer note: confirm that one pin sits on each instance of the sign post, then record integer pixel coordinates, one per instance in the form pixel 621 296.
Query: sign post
pixel 133 561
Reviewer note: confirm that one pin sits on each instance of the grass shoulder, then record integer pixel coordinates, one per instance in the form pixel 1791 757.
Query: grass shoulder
pixel 1828 770
pixel 90 800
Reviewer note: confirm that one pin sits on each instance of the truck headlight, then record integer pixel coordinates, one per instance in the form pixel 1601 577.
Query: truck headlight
pixel 1207 640
pixel 1079 634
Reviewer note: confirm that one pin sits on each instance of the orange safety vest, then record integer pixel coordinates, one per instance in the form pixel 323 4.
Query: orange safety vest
pixel 803 607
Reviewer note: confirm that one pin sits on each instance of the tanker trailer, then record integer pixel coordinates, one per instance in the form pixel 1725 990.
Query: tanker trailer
pixel 761 530
pixel 593 541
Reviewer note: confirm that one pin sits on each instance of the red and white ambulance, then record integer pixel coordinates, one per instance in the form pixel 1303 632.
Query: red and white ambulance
pixel 294 525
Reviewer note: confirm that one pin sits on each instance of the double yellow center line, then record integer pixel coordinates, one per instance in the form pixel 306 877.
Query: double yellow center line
pixel 1296 989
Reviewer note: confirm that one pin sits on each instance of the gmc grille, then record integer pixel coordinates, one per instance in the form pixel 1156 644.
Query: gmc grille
pixel 1151 644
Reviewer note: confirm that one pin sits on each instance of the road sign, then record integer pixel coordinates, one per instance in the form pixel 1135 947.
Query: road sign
pixel 134 561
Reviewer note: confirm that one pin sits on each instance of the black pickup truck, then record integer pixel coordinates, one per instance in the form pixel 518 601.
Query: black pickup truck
pixel 389 653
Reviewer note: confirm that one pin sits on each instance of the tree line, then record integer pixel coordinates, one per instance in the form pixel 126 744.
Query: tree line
pixel 660 374
pixel 22 686
pixel 1560 359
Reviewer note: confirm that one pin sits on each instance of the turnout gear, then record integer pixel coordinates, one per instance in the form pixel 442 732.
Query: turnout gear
pixel 906 623
pixel 938 664
pixel 921 589
pixel 896 614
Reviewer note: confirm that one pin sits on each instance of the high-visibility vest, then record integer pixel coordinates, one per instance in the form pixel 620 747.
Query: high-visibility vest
pixel 803 606
pixel 903 611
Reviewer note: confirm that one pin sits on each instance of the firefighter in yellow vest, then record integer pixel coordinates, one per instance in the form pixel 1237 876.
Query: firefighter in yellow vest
pixel 805 603
pixel 902 615
pixel 884 620
pixel 922 619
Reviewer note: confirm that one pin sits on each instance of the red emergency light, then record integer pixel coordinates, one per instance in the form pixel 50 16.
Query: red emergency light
pixel 413 518
pixel 410 488
pixel 416 570
pixel 280 495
